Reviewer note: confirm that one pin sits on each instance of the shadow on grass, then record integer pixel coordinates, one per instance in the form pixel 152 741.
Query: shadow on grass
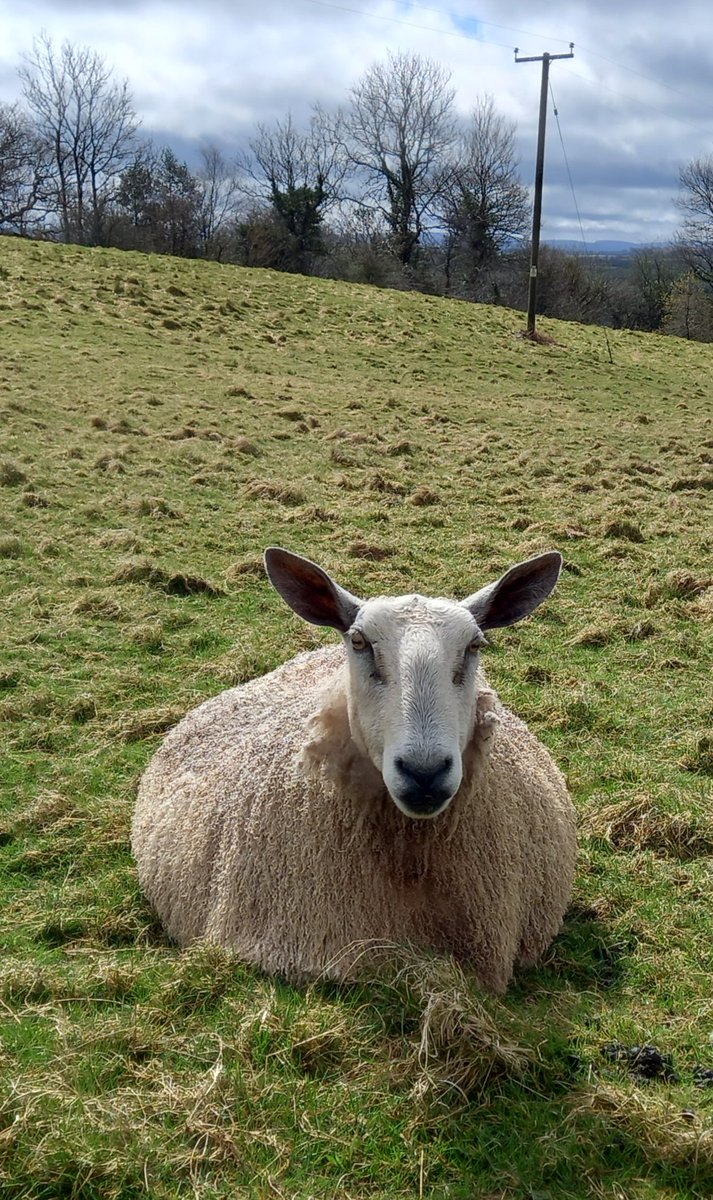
pixel 588 953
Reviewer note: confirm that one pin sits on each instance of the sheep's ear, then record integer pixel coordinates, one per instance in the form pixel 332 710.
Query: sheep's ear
pixel 309 590
pixel 517 593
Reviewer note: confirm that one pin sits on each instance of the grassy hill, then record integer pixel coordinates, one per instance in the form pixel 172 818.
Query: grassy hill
pixel 162 421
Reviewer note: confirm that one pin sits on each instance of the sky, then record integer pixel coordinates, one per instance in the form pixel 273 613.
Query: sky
pixel 634 105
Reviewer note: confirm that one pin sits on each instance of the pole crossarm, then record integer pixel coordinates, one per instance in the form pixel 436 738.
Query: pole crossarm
pixel 545 59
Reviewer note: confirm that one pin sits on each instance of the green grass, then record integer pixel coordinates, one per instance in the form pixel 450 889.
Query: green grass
pixel 162 421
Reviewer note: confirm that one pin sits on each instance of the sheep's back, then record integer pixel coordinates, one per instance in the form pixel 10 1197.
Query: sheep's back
pixel 226 781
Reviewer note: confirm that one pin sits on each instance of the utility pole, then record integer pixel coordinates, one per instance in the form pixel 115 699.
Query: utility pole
pixel 545 59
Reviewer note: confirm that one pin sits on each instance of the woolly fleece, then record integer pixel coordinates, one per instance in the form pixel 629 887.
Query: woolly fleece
pixel 260 826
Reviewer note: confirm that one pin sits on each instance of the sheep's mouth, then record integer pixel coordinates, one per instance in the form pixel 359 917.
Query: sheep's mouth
pixel 423 806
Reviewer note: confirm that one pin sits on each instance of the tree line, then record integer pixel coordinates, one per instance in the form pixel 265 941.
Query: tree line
pixel 391 189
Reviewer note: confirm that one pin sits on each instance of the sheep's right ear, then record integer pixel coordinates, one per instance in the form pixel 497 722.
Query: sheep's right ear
pixel 517 593
pixel 309 590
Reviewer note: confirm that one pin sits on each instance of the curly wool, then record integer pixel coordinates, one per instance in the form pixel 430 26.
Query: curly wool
pixel 261 826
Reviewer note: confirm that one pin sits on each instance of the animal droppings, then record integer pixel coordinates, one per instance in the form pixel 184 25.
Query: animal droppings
pixel 645 1062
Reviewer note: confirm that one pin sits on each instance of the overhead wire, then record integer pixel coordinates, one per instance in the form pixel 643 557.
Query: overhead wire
pixel 359 12
pixel 469 35
pixel 566 163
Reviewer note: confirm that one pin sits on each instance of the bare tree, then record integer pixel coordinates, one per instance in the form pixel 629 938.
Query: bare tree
pixel 482 202
pixel 695 237
pixel 87 123
pixel 297 176
pixel 395 132
pixel 24 172
pixel 221 200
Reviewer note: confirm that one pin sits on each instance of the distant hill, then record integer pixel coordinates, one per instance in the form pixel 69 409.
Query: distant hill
pixel 600 247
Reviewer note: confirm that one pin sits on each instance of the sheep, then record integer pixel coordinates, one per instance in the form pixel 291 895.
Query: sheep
pixel 365 793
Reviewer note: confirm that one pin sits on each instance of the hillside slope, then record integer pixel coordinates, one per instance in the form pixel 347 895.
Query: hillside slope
pixel 162 421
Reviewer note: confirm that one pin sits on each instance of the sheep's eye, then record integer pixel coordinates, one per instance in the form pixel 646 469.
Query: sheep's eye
pixel 358 641
pixel 476 645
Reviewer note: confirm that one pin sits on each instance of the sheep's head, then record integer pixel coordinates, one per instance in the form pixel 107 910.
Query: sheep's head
pixel 413 667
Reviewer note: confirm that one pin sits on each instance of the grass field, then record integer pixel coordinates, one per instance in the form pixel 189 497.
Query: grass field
pixel 162 421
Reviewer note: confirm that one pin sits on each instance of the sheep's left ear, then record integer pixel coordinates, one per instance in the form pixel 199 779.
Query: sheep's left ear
pixel 517 593
pixel 309 590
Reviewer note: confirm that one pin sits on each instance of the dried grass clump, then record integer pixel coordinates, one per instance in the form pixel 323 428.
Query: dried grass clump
pixel 119 539
pixel 699 758
pixel 704 605
pixel 640 631
pixel 96 604
pixel 342 457
pixel 692 483
pixel 148 723
pixel 250 567
pixel 594 636
pixel 462 1043
pixel 379 483
pixel 679 584
pixel 266 490
pixel 623 529
pixel 148 634
pixel 670 1135
pixel 424 495
pixel 51 812
pixel 369 552
pixel 33 499
pixel 139 569
pixel 11 546
pixel 640 824
pixel 536 674
pixel 154 506
pixel 11 475
pixel 244 446
pixel 180 584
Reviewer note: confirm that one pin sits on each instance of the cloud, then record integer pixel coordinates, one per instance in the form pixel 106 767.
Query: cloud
pixel 635 103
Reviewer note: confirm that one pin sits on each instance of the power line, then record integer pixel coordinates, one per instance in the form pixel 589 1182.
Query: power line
pixel 566 163
pixel 359 12
pixel 473 37
pixel 602 87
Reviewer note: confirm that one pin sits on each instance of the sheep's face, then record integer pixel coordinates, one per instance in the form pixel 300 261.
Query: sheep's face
pixel 413 667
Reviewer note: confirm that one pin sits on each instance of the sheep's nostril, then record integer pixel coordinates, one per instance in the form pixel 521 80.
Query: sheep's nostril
pixel 424 775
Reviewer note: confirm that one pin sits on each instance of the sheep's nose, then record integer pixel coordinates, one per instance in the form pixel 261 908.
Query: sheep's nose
pixel 425 787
